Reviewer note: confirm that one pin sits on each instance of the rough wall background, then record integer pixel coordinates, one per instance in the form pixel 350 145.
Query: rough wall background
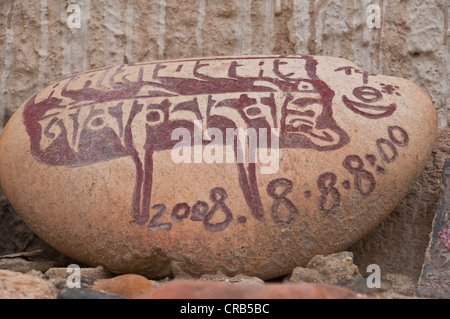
pixel 38 48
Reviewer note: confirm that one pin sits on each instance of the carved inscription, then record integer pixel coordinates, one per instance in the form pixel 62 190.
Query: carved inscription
pixel 96 116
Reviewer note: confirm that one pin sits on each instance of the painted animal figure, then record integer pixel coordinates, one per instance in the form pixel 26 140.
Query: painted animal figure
pixel 100 115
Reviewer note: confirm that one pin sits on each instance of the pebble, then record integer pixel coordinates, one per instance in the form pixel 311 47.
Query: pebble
pixel 129 285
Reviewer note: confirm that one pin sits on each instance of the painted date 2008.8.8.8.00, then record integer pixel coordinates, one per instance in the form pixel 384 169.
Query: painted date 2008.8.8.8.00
pixel 283 211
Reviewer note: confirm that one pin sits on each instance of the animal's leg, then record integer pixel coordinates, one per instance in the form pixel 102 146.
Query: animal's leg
pixel 139 217
pixel 134 143
pixel 148 180
pixel 248 183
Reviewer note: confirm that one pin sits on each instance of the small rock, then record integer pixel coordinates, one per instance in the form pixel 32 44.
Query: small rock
pixel 329 270
pixel 197 289
pixel 129 285
pixel 85 293
pixel 15 285
pixel 305 275
pixel 335 267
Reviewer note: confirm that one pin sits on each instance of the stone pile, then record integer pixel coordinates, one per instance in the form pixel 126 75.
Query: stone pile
pixel 97 283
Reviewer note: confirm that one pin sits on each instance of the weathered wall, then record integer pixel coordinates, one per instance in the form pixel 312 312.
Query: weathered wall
pixel 37 48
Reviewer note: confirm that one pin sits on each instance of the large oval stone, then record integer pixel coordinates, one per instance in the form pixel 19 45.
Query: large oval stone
pixel 240 164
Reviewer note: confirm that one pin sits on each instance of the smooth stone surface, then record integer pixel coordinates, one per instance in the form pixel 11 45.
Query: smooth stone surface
pixel 90 164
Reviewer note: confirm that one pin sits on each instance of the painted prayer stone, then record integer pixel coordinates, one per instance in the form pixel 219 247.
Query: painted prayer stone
pixel 240 164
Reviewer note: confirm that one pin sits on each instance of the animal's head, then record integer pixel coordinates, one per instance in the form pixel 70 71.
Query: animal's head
pixel 307 117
